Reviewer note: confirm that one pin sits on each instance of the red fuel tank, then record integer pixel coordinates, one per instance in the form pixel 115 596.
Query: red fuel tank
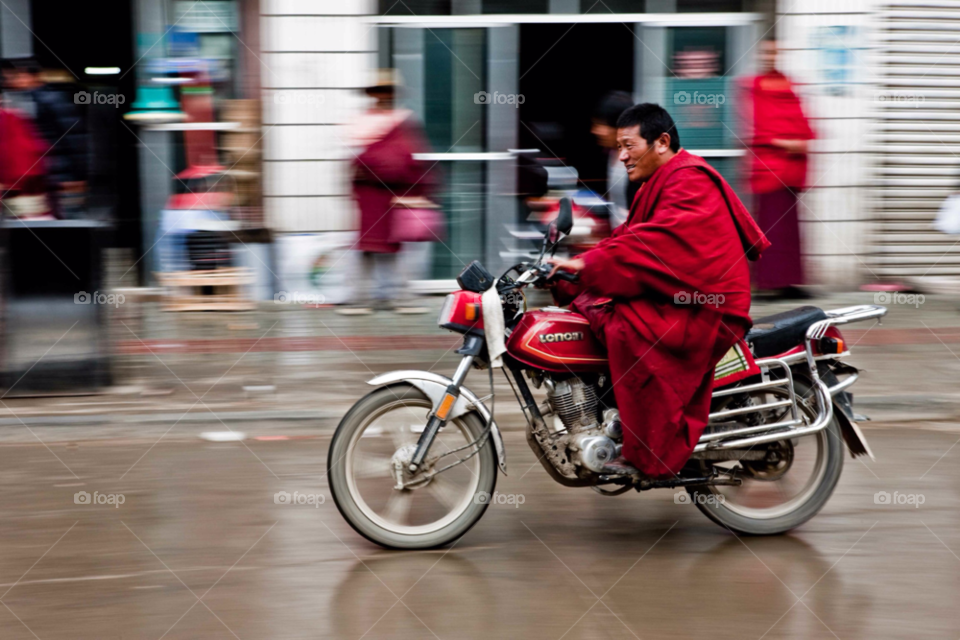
pixel 556 340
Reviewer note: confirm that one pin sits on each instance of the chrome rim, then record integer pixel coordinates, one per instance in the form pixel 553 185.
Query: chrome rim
pixel 370 477
pixel 760 499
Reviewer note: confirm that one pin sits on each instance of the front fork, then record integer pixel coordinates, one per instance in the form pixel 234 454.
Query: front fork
pixel 470 350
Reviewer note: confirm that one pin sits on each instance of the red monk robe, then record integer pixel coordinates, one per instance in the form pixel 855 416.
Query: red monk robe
pixel 669 293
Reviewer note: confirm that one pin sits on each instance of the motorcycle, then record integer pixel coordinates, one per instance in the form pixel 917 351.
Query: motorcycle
pixel 413 464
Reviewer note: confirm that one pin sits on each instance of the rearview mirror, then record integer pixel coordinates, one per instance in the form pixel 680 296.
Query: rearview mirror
pixel 564 220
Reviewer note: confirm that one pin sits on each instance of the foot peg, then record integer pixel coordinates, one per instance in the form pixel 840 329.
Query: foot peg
pixel 620 467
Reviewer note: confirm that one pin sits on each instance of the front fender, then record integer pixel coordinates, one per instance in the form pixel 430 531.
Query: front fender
pixel 434 386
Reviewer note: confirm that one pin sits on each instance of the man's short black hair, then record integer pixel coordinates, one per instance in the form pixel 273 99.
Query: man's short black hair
pixel 612 106
pixel 653 120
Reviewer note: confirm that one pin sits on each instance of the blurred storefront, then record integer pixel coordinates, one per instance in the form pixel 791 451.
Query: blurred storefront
pixel 487 79
pixel 53 305
pixel 879 80
pixel 148 111
pixel 197 119
pixel 915 139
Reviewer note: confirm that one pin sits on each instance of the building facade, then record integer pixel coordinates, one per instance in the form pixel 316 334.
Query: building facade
pixel 877 80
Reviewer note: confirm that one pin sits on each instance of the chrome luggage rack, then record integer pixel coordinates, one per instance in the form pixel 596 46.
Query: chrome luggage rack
pixel 793 426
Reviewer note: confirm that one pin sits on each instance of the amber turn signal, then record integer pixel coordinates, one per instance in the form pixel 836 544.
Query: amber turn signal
pixel 831 345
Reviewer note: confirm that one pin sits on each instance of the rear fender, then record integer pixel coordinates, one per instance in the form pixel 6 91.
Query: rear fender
pixel 843 406
pixel 852 435
pixel 434 386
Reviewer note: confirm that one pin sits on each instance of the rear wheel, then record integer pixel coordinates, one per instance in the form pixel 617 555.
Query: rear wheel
pixel 785 489
pixel 373 445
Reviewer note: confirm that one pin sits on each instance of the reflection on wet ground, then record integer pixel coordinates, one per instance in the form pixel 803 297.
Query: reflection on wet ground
pixel 199 548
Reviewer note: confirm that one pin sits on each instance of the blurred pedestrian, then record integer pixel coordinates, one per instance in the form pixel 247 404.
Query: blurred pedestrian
pixel 620 190
pixel 61 122
pixel 778 134
pixel 23 182
pixel 387 182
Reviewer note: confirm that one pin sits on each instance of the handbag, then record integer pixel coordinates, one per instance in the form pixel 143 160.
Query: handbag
pixel 417 220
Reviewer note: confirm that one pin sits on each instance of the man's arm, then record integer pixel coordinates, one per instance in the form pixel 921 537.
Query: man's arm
pixel 564 292
pixel 666 253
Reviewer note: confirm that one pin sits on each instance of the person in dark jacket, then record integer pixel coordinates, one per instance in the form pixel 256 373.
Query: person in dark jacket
pixel 620 191
pixel 61 123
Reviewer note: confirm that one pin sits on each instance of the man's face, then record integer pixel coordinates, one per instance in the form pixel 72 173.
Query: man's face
pixel 639 157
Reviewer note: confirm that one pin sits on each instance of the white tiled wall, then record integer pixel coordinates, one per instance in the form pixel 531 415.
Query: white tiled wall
pixel 315 56
pixel 834 217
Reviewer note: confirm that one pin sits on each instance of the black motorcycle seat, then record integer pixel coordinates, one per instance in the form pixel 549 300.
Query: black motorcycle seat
pixel 782 331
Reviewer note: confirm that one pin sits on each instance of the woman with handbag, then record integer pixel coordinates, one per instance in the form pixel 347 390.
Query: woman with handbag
pixel 391 190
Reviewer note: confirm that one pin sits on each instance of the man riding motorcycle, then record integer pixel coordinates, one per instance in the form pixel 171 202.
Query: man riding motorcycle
pixel 668 293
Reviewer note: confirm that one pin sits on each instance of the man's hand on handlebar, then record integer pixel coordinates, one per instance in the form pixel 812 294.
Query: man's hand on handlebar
pixel 564 268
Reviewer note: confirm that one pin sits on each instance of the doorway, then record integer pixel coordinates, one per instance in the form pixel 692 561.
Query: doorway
pixel 564 72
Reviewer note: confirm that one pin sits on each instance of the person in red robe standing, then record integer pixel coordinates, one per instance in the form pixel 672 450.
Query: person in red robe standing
pixel 778 135
pixel 668 292
pixel 385 178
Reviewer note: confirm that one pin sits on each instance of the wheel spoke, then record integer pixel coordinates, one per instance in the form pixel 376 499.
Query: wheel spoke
pixel 398 506
pixel 445 492
pixel 370 465
pixel 401 434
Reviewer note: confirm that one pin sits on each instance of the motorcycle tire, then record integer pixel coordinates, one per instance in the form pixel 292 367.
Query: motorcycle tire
pixel 349 505
pixel 831 448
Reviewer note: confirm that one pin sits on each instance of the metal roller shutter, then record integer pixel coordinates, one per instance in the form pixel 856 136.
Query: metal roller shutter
pixel 916 140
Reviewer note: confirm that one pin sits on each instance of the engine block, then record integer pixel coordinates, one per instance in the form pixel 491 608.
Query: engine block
pixel 575 402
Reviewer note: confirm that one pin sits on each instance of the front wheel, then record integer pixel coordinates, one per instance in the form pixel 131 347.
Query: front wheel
pixel 784 490
pixel 370 451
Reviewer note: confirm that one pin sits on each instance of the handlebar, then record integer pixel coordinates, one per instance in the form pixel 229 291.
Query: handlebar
pixel 565 275
pixel 538 273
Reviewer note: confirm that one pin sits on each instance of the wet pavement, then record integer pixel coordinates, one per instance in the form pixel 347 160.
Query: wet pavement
pixel 183 537
pixel 199 549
